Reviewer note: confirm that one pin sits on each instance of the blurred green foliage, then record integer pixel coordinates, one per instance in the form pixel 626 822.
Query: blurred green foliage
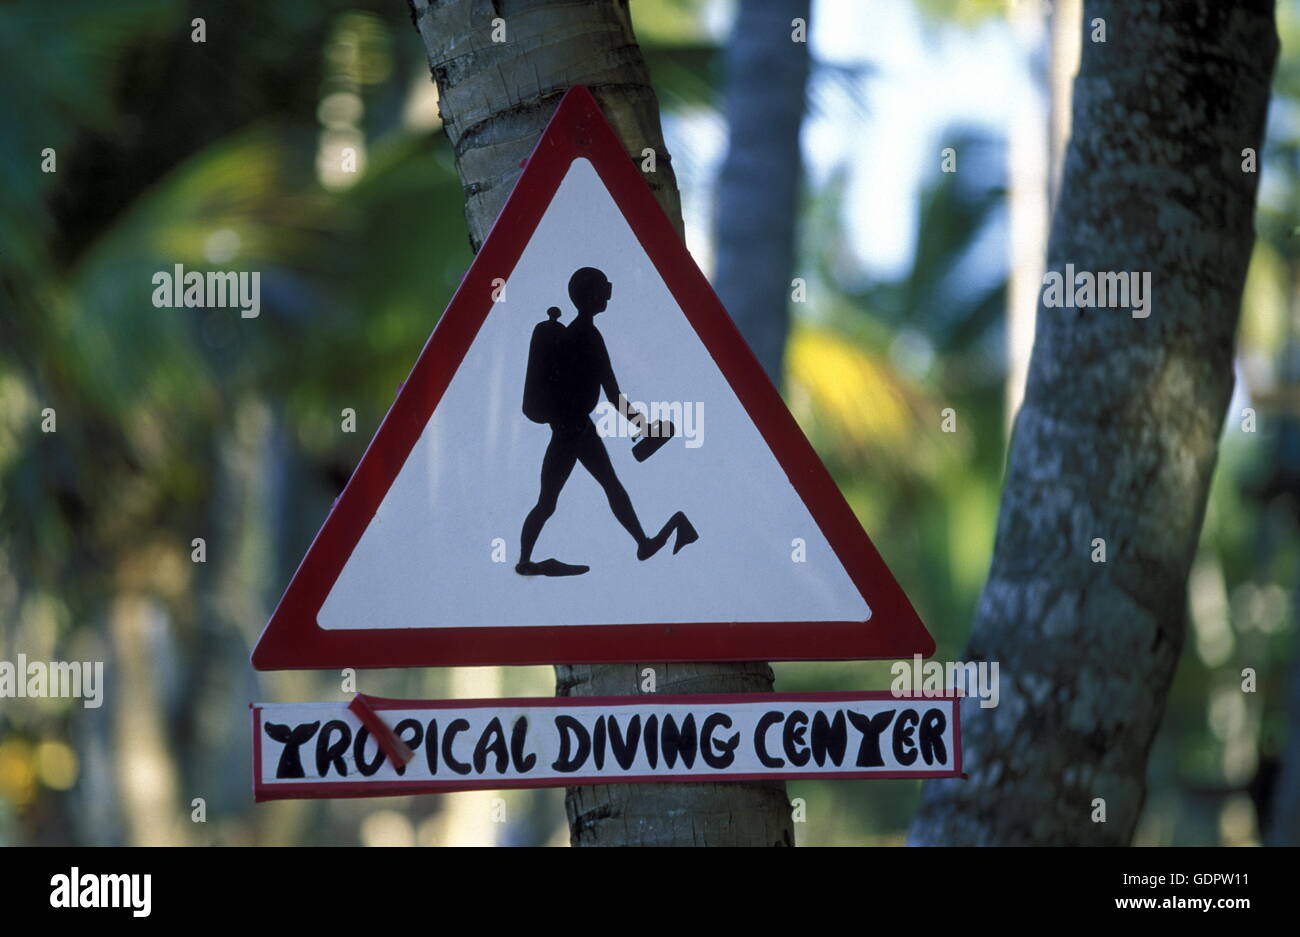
pixel 174 424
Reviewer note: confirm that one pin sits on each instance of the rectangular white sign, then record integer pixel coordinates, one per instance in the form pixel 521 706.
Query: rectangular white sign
pixel 325 749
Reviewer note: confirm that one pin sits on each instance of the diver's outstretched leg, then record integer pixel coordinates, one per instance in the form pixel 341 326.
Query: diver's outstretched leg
pixel 595 459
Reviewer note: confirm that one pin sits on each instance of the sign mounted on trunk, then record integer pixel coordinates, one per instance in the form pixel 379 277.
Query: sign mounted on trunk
pixel 587 465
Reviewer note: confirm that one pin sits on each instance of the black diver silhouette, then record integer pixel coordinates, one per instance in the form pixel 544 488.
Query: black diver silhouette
pixel 568 368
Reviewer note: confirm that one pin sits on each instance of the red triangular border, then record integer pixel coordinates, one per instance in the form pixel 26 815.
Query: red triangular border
pixel 292 639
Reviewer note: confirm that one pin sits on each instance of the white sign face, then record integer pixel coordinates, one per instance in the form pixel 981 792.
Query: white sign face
pixel 426 559
pixel 324 750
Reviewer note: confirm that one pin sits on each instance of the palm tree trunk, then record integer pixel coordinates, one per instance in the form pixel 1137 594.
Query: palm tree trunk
pixel 1118 434
pixel 758 185
pixel 495 99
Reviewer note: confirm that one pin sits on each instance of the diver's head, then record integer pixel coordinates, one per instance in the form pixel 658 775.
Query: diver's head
pixel 590 290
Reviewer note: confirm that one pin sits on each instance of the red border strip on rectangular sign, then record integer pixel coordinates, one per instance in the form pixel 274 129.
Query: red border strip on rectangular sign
pixel 293 640
pixel 727 703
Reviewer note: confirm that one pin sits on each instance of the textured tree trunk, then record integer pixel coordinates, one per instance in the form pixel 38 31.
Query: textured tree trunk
pixel 1118 434
pixel 495 99
pixel 758 185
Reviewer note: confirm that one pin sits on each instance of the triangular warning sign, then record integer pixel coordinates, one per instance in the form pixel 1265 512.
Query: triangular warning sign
pixel 726 540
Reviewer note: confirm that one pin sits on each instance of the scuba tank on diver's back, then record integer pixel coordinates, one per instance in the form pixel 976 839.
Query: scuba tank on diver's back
pixel 544 379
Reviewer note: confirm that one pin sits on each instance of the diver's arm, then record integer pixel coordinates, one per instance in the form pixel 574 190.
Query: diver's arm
pixel 616 397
